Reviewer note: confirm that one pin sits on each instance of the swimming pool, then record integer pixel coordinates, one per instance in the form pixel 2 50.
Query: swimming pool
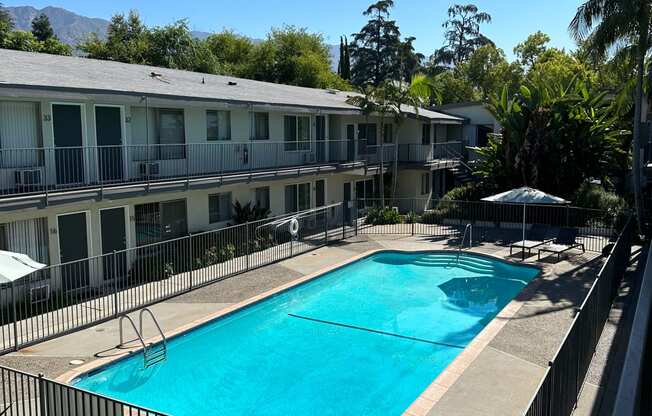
pixel 366 338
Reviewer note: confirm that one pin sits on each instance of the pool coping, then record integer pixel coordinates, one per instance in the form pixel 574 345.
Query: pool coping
pixel 426 400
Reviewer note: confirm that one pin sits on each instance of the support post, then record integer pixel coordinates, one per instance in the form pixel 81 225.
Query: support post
pixel 115 284
pixel 192 260
pixel 247 242
pixel 15 315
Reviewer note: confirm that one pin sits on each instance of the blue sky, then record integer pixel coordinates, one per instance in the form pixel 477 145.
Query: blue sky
pixel 513 20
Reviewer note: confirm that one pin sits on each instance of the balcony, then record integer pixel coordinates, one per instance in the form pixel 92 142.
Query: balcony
pixel 65 173
pixel 436 155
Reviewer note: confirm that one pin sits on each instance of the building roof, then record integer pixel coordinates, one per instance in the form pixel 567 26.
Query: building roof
pixel 67 73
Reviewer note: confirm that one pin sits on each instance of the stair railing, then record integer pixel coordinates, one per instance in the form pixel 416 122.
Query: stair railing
pixel 469 229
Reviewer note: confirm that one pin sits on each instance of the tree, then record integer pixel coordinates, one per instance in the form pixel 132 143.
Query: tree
pixel 554 138
pixel 344 64
pixel 609 24
pixel 6 25
pixel 231 50
pixel 375 48
pixel 531 48
pixel 126 41
pixel 488 71
pixel 173 46
pixel 41 28
pixel 462 35
pixel 410 61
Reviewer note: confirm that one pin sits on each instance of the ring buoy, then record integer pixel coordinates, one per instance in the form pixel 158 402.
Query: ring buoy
pixel 294 227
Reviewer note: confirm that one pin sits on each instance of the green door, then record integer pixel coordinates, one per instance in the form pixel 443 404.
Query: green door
pixel 108 130
pixel 69 157
pixel 73 249
pixel 114 238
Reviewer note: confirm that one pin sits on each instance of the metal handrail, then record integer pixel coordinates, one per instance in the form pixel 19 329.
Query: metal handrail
pixel 133 325
pixel 140 323
pixel 469 228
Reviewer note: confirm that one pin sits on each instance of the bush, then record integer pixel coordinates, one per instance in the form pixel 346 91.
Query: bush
pixel 467 192
pixel 383 216
pixel 412 218
pixel 594 196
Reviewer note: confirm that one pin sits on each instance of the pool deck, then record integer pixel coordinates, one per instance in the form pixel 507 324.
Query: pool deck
pixel 497 374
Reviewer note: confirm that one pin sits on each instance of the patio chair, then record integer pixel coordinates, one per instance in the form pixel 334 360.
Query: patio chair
pixel 537 236
pixel 566 240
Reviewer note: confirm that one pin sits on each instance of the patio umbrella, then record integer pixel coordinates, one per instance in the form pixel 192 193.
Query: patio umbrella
pixel 13 266
pixel 526 196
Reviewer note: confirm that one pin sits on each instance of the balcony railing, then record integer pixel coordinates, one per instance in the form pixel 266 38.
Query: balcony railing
pixel 41 170
pixel 427 153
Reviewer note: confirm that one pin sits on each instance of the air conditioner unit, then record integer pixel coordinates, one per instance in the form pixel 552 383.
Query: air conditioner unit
pixel 149 169
pixel 28 177
pixel 39 293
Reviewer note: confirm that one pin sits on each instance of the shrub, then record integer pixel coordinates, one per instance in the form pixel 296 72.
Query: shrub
pixel 594 196
pixel 412 218
pixel 383 216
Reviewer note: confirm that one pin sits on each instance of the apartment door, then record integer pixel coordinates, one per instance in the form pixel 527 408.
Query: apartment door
pixel 320 129
pixel 69 156
pixel 114 238
pixel 350 141
pixel 320 200
pixel 347 202
pixel 108 130
pixel 73 248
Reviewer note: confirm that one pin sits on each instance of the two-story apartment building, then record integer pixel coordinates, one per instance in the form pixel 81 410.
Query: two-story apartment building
pixel 97 156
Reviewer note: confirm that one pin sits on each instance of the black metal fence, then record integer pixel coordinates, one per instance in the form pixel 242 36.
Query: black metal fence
pixel 70 296
pixel 28 395
pixel 558 391
pixel 492 222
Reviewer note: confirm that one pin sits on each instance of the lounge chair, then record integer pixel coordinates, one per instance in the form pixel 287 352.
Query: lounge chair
pixel 537 236
pixel 566 240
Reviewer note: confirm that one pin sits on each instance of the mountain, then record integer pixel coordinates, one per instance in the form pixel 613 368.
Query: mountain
pixel 71 27
pixel 68 26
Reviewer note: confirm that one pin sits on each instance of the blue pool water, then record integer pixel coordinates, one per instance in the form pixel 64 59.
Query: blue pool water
pixel 365 339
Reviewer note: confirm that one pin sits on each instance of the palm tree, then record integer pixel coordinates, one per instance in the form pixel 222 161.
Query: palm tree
pixel 610 25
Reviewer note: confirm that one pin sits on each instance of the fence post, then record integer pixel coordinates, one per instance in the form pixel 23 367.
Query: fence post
pixel 343 222
pixel 192 260
pixel 326 229
pixel 15 315
pixel 355 217
pixel 41 395
pixel 115 283
pixel 247 243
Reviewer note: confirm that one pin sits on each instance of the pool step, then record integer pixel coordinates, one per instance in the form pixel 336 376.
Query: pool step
pixel 472 264
pixel 154 353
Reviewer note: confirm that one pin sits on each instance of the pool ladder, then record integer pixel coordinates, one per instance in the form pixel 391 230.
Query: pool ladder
pixel 469 229
pixel 153 353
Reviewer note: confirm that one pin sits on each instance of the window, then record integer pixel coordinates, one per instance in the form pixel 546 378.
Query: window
pixel 297 197
pixel 261 126
pixel 158 221
pixel 425 134
pixel 364 193
pixel 425 183
pixel 367 133
pixel 219 207
pixel 320 193
pixel 297 132
pixel 388 133
pixel 453 132
pixel 262 197
pixel 218 125
pixel 171 134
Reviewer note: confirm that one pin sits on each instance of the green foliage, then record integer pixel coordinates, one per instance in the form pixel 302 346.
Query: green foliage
pixel 231 50
pixel 383 216
pixel 462 34
pixel 412 218
pixel 488 71
pixel 41 28
pixel 467 192
pixel 596 197
pixel 553 138
pixel 344 63
pixel 531 48
pixel 215 255
pixel 248 212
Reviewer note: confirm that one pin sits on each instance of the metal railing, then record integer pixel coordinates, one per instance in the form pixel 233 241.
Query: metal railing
pixel 426 153
pixel 25 394
pixel 44 170
pixel 634 395
pixel 559 390
pixel 492 222
pixel 89 291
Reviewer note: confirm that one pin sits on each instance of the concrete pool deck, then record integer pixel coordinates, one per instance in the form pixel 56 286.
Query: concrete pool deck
pixel 497 373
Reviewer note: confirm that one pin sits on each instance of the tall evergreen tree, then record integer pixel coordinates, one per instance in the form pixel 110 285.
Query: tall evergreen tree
pixel 375 48
pixel 462 35
pixel 41 28
pixel 346 61
pixel 341 60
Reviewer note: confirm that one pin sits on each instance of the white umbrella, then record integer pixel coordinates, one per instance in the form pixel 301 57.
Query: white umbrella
pixel 13 266
pixel 525 196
